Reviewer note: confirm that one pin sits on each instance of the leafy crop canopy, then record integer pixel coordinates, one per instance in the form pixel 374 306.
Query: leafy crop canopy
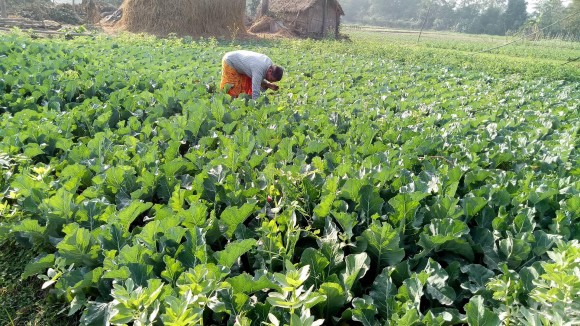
pixel 383 185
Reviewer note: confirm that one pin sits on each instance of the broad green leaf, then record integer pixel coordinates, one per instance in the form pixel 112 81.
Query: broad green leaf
pixel 234 304
pixel 541 193
pixel 317 263
pixel 128 214
pixel 443 316
pixel 356 267
pixel 405 206
pixel 39 265
pixel 233 251
pixel 203 279
pixel 32 192
pixel 364 311
pixel 572 206
pixel 121 180
pixel 156 233
pixel 445 207
pixel 479 315
pixel 30 230
pixel 141 274
pixel 113 237
pixel 96 314
pixel 194 216
pixel 370 201
pixel 330 192
pixel 472 205
pixel 544 242
pixel 194 250
pixel 61 204
pixel 443 230
pixel 437 286
pixel 383 293
pixel 331 247
pixel 473 177
pixel 483 240
pixel 177 199
pixel 259 313
pixel 524 221
pixel 173 268
pixel 178 312
pixel 244 283
pixel 231 217
pixel 383 245
pixel 90 280
pixel 335 298
pixel 351 190
pixel 94 213
pixel 78 246
pixel 529 275
pixel 515 250
pixel 346 221
pixel 477 277
pixel 77 171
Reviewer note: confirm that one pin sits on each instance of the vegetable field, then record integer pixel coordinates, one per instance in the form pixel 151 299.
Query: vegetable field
pixel 386 183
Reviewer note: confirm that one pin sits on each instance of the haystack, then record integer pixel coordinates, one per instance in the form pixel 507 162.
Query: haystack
pixel 269 25
pixel 262 25
pixel 184 17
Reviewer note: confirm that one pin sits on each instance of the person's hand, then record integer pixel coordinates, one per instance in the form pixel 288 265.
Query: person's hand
pixel 273 87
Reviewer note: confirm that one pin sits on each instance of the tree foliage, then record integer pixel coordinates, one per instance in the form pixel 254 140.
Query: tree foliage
pixel 496 17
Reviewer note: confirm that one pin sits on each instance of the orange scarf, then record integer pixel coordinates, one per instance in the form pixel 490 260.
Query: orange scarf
pixel 240 83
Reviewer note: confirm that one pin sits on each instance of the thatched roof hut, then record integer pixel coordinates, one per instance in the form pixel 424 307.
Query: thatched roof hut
pixel 184 17
pixel 310 18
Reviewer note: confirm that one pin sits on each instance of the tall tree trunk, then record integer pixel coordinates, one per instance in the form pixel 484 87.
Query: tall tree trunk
pixel 265 7
pixel 3 12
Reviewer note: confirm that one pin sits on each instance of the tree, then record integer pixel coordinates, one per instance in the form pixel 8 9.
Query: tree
pixel 252 8
pixel 551 15
pixel 265 7
pixel 355 11
pixel 443 14
pixel 516 14
pixel 3 12
pixel 572 24
pixel 490 22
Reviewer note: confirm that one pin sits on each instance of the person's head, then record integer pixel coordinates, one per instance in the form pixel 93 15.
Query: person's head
pixel 274 73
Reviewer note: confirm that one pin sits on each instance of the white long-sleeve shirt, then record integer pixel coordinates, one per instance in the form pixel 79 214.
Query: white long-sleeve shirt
pixel 252 64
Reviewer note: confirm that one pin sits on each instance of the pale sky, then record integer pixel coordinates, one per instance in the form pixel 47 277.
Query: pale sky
pixel 532 4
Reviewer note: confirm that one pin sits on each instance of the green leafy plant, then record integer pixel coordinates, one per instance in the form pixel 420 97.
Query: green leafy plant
pixel 384 184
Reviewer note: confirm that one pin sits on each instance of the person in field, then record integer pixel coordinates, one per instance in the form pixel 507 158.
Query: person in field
pixel 248 72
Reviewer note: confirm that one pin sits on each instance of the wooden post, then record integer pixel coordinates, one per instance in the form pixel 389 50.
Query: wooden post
pixel 337 25
pixel 324 17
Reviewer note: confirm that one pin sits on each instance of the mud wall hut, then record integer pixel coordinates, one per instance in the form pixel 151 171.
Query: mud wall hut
pixel 308 18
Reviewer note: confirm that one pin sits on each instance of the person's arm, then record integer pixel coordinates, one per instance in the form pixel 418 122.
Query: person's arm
pixel 256 86
pixel 272 86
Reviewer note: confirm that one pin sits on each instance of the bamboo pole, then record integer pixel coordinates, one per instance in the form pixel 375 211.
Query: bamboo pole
pixel 324 17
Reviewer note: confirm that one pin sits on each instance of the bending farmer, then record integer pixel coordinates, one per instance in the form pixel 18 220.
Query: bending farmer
pixel 249 72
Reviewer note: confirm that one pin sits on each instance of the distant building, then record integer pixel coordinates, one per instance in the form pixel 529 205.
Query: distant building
pixel 307 18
